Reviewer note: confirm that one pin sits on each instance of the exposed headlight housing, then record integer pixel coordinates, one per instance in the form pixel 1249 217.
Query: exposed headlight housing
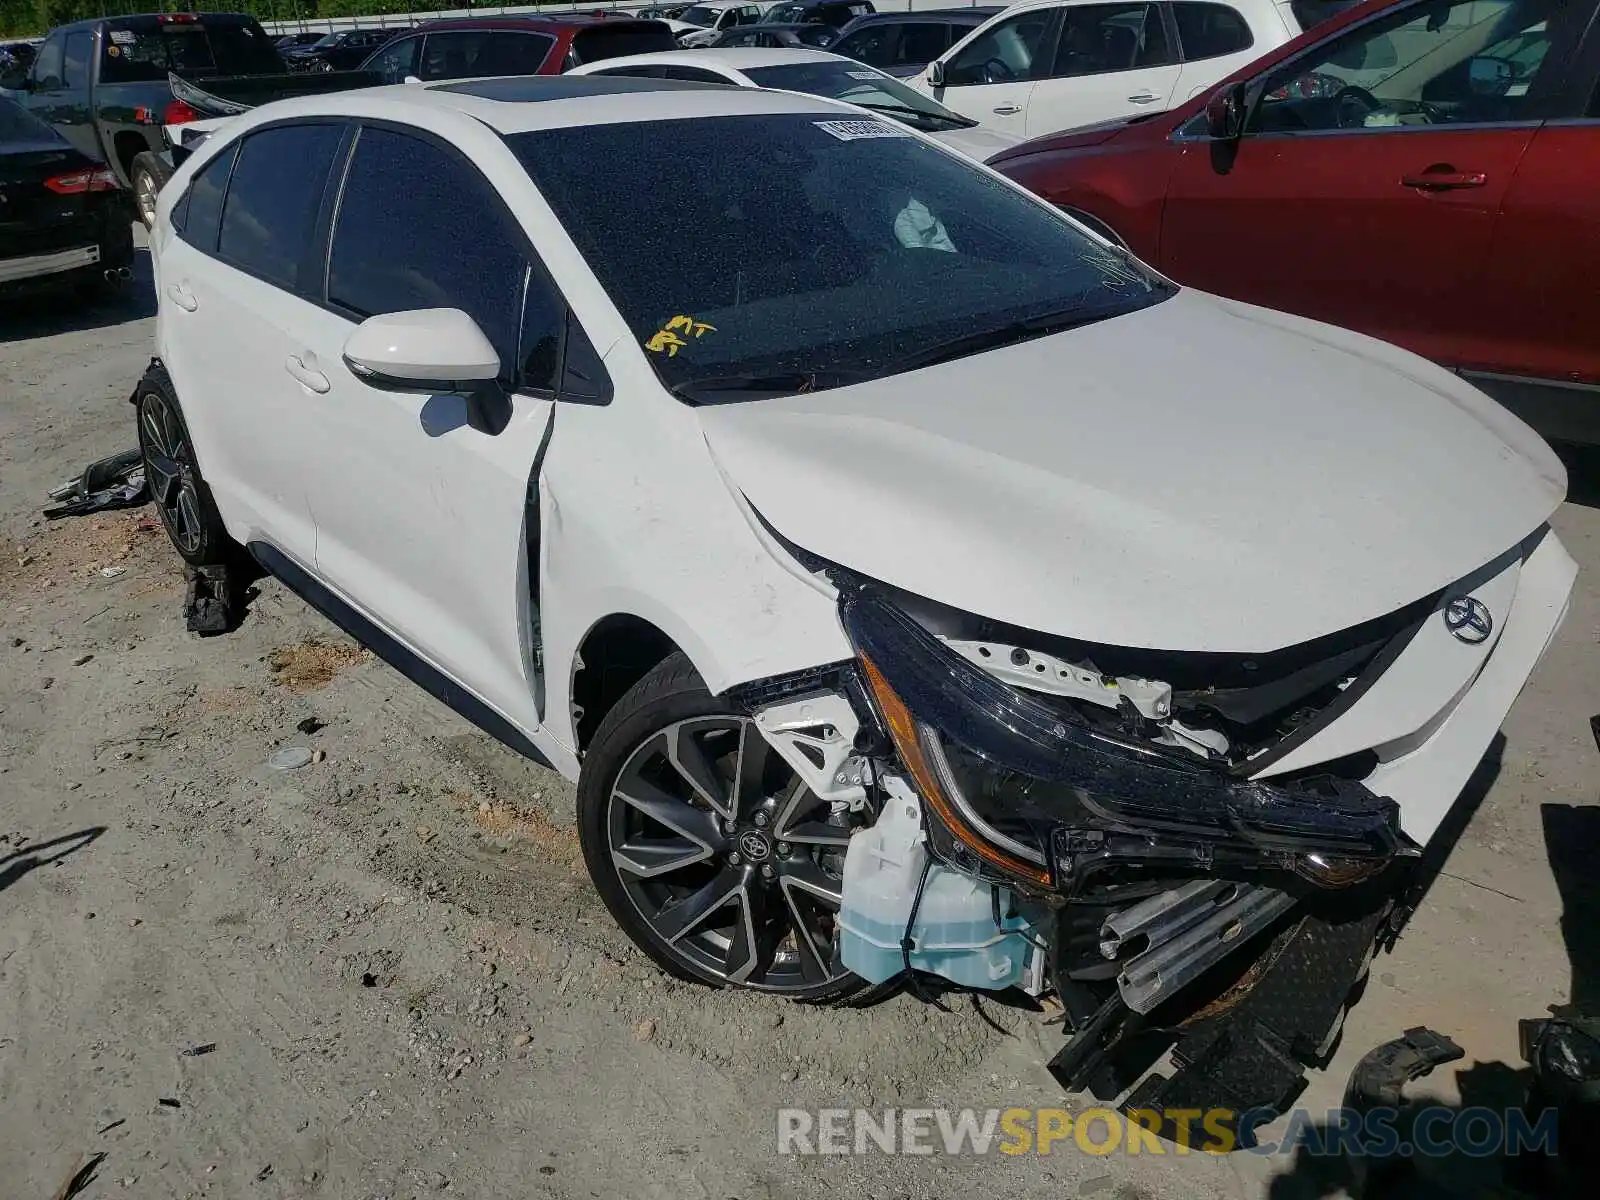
pixel 1040 796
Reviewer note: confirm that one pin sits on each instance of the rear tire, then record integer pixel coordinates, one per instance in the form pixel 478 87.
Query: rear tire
pixel 173 478
pixel 147 174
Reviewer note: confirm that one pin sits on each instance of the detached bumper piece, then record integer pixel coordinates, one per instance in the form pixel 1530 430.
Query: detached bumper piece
pixel 1247 1051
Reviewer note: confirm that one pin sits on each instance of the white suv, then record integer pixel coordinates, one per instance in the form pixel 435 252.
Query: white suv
pixel 1042 66
pixel 910 580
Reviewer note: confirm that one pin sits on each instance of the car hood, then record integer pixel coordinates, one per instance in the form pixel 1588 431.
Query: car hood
pixel 1198 475
pixel 976 143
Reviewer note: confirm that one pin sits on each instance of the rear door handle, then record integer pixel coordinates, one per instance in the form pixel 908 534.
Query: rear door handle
pixel 1143 98
pixel 1005 110
pixel 1445 181
pixel 308 376
pixel 182 297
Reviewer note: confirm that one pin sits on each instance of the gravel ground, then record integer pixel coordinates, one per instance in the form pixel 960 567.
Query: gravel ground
pixel 386 975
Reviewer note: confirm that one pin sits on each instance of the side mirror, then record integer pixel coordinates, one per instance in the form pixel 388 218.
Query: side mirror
pixel 936 74
pixel 1225 113
pixel 430 351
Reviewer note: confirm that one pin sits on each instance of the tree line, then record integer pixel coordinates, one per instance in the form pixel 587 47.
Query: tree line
pixel 25 18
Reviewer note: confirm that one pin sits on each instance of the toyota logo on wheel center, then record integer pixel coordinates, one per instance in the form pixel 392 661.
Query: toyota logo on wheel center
pixel 754 846
pixel 1468 619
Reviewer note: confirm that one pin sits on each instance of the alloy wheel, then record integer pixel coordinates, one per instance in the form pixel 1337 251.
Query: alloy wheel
pixel 728 857
pixel 169 471
pixel 144 197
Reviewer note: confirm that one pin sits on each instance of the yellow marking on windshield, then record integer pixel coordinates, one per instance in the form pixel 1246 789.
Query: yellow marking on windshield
pixel 666 338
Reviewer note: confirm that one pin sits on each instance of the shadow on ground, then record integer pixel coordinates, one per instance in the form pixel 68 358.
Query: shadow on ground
pixel 32 856
pixel 1474 1165
pixel 1583 473
pixel 71 310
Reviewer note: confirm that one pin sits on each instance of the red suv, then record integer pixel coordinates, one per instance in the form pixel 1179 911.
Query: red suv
pixel 468 47
pixel 1419 170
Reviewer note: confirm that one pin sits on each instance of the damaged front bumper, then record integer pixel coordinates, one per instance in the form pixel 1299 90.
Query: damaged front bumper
pixel 1182 906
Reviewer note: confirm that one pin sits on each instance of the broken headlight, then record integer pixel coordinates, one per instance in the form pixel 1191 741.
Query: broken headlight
pixel 1036 793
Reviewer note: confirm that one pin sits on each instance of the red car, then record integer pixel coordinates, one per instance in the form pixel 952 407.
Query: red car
pixel 1419 170
pixel 467 47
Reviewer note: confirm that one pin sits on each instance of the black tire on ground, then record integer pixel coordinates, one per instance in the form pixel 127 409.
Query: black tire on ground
pixel 147 174
pixel 672 692
pixel 177 489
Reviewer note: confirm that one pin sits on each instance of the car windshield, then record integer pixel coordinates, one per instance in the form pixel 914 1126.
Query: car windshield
pixel 843 249
pixel 145 53
pixel 860 84
pixel 699 15
pixel 328 39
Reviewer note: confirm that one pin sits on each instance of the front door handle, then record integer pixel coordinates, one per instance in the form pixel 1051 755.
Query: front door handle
pixel 180 295
pixel 1143 98
pixel 308 376
pixel 1445 181
pixel 1006 110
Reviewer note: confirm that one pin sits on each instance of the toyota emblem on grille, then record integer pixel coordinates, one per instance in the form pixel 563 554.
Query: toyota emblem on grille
pixel 1468 619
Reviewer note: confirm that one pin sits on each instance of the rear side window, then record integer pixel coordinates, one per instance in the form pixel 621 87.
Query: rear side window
pixel 75 70
pixel 1097 39
pixel 418 227
pixel 270 211
pixel 615 40
pixel 145 51
pixel 873 45
pixel 198 214
pixel 464 53
pixel 922 42
pixel 1210 30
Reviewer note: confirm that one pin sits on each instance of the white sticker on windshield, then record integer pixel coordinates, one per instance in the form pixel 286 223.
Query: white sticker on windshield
pixel 122 37
pixel 862 74
pixel 854 131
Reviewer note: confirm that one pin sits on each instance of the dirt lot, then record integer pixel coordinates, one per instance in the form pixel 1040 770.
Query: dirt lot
pixel 404 980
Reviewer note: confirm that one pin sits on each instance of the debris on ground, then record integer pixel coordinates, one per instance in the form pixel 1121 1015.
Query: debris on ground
pixel 106 484
pixel 290 758
pixel 313 664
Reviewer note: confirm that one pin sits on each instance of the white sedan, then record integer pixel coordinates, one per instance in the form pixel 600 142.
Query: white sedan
pixel 816 73
pixel 910 580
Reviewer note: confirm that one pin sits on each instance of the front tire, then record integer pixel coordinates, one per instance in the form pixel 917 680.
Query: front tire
pixel 707 848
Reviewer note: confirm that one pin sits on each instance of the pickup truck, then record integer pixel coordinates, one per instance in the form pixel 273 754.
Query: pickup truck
pixel 103 85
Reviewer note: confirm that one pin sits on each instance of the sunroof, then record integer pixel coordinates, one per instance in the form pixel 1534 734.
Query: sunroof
pixel 519 88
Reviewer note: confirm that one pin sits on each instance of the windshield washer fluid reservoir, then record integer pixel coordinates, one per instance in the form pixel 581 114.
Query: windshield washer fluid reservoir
pixel 955 935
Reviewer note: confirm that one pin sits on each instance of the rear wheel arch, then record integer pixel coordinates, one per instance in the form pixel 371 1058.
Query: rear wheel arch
pixel 127 146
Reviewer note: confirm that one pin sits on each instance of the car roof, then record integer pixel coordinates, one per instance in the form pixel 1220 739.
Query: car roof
pixel 522 103
pixel 737 58
pixel 973 16
pixel 529 21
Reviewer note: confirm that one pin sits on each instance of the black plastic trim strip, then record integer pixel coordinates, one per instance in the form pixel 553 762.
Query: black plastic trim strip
pixel 426 676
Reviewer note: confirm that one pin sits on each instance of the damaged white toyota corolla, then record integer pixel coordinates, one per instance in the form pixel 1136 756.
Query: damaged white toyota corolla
pixel 916 586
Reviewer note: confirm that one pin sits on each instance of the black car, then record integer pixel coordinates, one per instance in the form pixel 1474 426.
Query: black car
pixel 903 43
pixel 342 50
pixel 291 41
pixel 769 36
pixel 63 219
pixel 837 13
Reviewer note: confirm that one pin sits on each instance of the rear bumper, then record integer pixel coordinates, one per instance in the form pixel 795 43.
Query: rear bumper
pixel 37 266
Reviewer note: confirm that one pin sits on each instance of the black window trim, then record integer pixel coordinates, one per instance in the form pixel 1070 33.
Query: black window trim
pixel 568 352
